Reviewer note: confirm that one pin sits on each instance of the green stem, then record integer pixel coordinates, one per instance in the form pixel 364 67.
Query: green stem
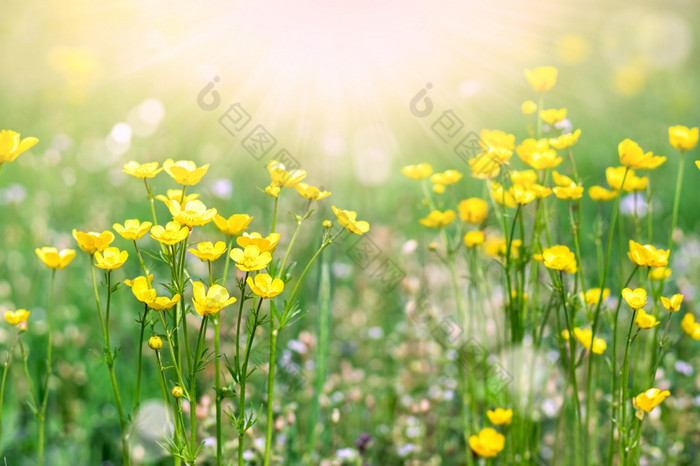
pixel 5 370
pixel 137 395
pixel 572 364
pixel 45 393
pixel 150 200
pixel 193 385
pixel 243 375
pixel 676 200
pixel 270 391
pixel 624 392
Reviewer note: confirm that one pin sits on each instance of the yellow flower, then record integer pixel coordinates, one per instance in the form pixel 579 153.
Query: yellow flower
pixel 92 242
pixel 250 258
pixel 281 177
pixel 584 336
pixel 172 234
pixel 632 183
pixel 593 295
pixel 528 107
pixel 446 178
pixel 674 303
pixel 488 164
pixel 347 218
pixel 501 196
pixel 264 286
pixel 632 156
pixel 273 190
pixel 540 191
pixel 569 192
pixel 636 299
pixel 553 115
pixel 269 243
pixel 417 172
pixel 562 180
pixel 522 195
pixel 163 303
pixel 54 259
pixel 235 225
pixel 565 335
pixel 192 213
pixel 647 255
pixel 599 193
pixel 141 170
pixel 15 317
pixel 691 327
pixel 141 288
pixel 473 210
pixel 206 251
pixel 111 258
pixel 650 399
pixel 682 137
pixel 155 342
pixel 500 416
pixel 11 146
pixel 559 258
pixel 438 219
pixel 185 172
pixel 177 392
pixel 644 320
pixel 176 195
pixel 497 247
pixel 473 238
pixel 495 138
pixel 132 229
pixel 488 443
pixel 542 78
pixel 438 188
pixel 659 273
pixel 212 301
pixel 524 177
pixel 311 192
pixel 537 154
pixel 565 140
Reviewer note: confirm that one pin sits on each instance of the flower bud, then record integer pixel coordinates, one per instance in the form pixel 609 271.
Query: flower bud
pixel 177 392
pixel 327 224
pixel 155 342
pixel 433 246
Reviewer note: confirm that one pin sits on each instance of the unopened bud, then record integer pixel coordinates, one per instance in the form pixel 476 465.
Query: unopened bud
pixel 327 224
pixel 433 246
pixel 177 392
pixel 155 342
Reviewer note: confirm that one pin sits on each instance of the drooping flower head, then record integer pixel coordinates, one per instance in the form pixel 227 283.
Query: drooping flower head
pixel 348 220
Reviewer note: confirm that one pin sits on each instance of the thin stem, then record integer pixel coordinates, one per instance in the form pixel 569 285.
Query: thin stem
pixel 624 393
pixel 243 375
pixel 5 370
pixel 193 384
pixel 137 395
pixel 150 200
pixel 45 393
pixel 270 391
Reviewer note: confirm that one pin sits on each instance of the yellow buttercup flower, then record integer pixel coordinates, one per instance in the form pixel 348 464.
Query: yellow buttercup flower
pixel 446 178
pixel 584 336
pixel 234 225
pixel 541 191
pixel 522 195
pixel 347 218
pixel 542 78
pixel 92 242
pixel 311 192
pixel 53 258
pixel 273 190
pixel 438 219
pixel 208 302
pixel 569 192
pixel 673 304
pixel 559 258
pixel 206 251
pixel 501 196
pixel 264 286
pixel 565 335
pixel 132 229
pixel 155 342
pixel 598 193
pixel 647 255
pixel 268 243
pixel 177 392
pixel 110 258
pixel 650 399
pixel 636 299
pixel 142 170
pixel 562 180
pixel 528 107
pixel 163 303
pixel 523 177
pixel 141 288
pixel 176 195
pixel 500 416
pixel 565 140
pixel 192 213
pixel 11 145
pixel 417 172
pixel 644 320
pixel 633 183
pixel 488 443
pixel 691 327
pixel 659 273
pixel 473 238
pixel 185 172
pixel 250 258
pixel 473 210
pixel 438 188
pixel 281 177
pixel 497 247
pixel 682 137
pixel 593 295
pixel 173 233
pixel 553 115
pixel 538 154
pixel 487 164
pixel 15 317
pixel 632 156
pixel 495 138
